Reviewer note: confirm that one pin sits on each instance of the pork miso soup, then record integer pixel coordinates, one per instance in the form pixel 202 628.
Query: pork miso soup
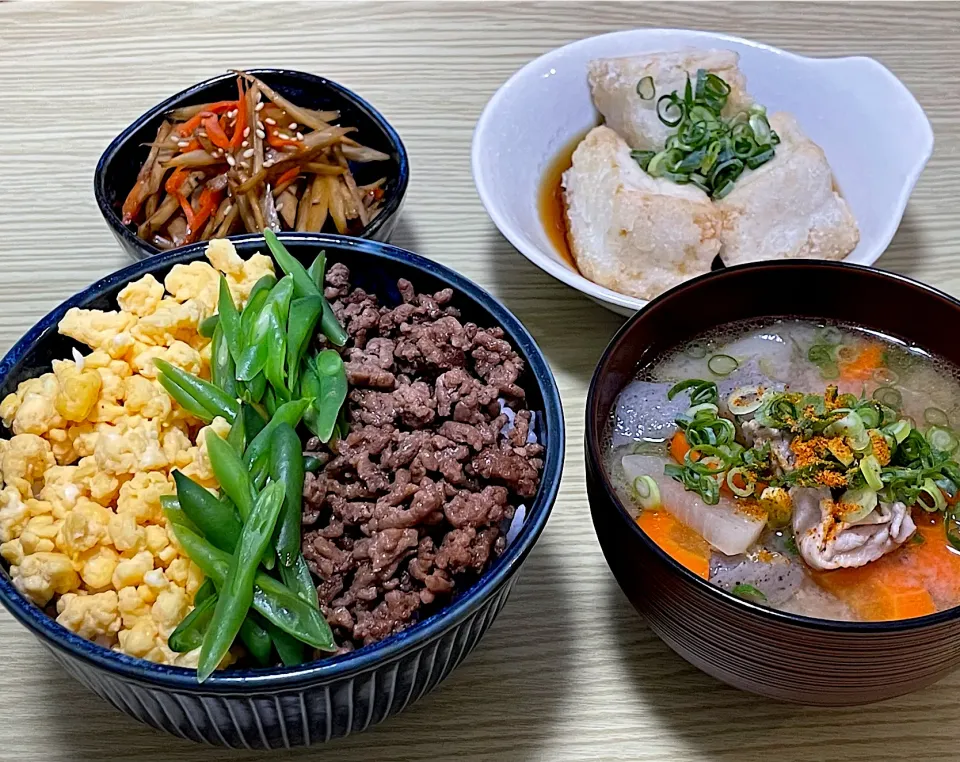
pixel 807 467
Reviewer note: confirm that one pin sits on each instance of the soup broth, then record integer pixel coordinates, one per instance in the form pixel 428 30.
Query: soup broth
pixel 804 466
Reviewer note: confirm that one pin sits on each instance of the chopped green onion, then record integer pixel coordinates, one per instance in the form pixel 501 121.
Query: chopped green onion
pixel 820 354
pixel 643 158
pixel 864 499
pixel 829 371
pixel 931 498
pixel 761 128
pixel 898 430
pixel 936 417
pixel 870 468
pixel 695 350
pixel 749 593
pixel 673 106
pixel 869 415
pixel 744 400
pixel 885 376
pixel 942 439
pixel 748 479
pixel 846 353
pixel 647 492
pixel 887 395
pixel 693 410
pixel 646 89
pixel 831 335
pixel 722 365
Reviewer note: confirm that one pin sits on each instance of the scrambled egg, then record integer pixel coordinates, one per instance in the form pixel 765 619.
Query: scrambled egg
pixel 93 447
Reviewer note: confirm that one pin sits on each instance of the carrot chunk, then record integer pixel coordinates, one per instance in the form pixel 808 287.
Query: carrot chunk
pixel 677 540
pixel 679 446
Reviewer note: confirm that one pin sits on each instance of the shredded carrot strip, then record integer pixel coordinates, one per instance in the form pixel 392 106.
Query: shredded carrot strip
pixel 175 180
pixel 216 134
pixel 288 177
pixel 241 125
pixel 191 124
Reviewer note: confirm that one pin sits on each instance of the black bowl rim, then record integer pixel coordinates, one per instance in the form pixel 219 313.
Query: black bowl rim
pixel 369 657
pixel 594 459
pixel 106 158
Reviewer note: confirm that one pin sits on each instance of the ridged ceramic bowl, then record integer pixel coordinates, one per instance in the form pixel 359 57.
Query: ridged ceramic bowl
pixel 293 706
pixel 853 107
pixel 117 168
pixel 773 653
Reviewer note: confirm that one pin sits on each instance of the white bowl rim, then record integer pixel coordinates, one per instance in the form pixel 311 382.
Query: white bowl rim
pixel 605 295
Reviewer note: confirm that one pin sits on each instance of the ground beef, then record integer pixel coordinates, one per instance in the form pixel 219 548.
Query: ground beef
pixel 412 505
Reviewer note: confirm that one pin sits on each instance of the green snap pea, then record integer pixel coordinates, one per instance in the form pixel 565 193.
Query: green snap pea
pixel 223 371
pixel 257 339
pixel 207 326
pixel 265 283
pixel 332 378
pixel 218 522
pixel 255 388
pixel 253 422
pixel 210 397
pixel 229 319
pixel 270 402
pixel 276 352
pixel 298 578
pixel 232 474
pixel 257 639
pixel 185 400
pixel 305 286
pixel 286 468
pixel 171 507
pixel 304 313
pixel 289 649
pixel 206 589
pixel 291 412
pixel 189 633
pixel 236 592
pixel 271 598
pixel 318 269
pixel 237 438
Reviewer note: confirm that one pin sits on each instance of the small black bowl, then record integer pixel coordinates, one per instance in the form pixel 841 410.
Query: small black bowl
pixel 314 702
pixel 118 166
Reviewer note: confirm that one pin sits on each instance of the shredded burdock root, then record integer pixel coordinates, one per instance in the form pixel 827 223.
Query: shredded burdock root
pixel 243 165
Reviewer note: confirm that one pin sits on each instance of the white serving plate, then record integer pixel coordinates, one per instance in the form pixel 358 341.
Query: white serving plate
pixel 875 135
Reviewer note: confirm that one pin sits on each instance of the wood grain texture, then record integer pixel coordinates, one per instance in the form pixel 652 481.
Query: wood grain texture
pixel 568 672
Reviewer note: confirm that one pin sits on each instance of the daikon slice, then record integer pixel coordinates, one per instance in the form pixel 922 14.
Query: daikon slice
pixel 723 525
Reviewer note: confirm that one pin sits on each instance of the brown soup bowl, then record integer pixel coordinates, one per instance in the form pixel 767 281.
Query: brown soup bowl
pixel 773 653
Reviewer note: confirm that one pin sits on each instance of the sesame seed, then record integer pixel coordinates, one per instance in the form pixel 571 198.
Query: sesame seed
pixel 270 121
pixel 299 136
pixel 246 132
pixel 183 144
pixel 245 143
pixel 227 209
pixel 245 164
pixel 174 137
pixel 260 105
pixel 248 153
pixel 293 127
pixel 279 207
pixel 231 161
pixel 261 134
pixel 201 134
pixel 267 164
pixel 283 136
pixel 231 113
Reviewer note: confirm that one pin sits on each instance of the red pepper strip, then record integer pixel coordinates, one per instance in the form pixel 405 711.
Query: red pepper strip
pixel 209 202
pixel 237 138
pixel 217 136
pixel 175 180
pixel 274 140
pixel 288 177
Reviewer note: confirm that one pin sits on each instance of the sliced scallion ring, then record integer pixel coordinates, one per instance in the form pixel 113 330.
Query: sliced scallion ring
pixel 936 417
pixel 647 492
pixel 707 407
pixel 744 400
pixel 942 439
pixel 646 89
pixel 931 499
pixel 831 335
pixel 870 468
pixel 722 365
pixel 887 395
pixel 643 158
pixel 696 350
pixel 859 441
pixel 864 499
pixel 869 415
pixel 820 354
pixel 748 480
pixel 829 371
pixel 899 430
pixel 845 353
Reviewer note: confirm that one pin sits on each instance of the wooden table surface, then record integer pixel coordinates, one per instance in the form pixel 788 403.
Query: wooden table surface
pixel 569 671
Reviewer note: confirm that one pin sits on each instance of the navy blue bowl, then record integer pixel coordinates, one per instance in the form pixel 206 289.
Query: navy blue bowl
pixel 292 706
pixel 117 169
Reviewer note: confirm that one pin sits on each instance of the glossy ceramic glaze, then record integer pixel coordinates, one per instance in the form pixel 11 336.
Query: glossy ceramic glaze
pixel 326 699
pixel 854 108
pixel 118 166
pixel 758 649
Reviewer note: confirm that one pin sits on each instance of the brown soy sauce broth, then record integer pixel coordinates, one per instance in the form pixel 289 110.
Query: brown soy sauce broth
pixel 550 204
pixel 779 348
